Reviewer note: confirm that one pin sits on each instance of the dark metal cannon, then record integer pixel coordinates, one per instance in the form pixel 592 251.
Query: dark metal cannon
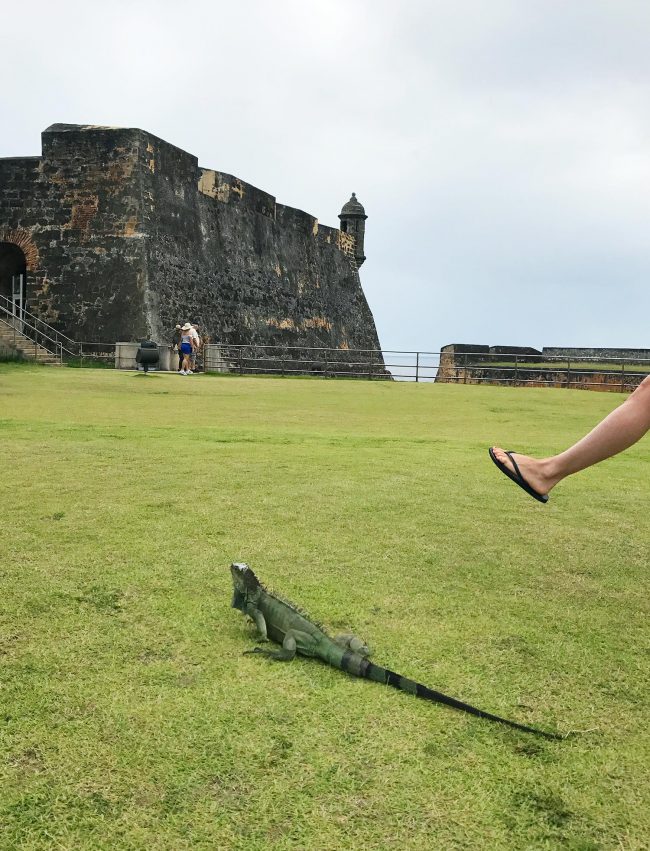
pixel 147 354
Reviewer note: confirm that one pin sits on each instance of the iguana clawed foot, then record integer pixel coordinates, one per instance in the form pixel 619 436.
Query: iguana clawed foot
pixel 283 655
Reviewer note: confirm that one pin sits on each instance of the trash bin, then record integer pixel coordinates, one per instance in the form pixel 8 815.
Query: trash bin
pixel 147 354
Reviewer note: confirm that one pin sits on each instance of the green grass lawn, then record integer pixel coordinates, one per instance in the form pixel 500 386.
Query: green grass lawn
pixel 130 718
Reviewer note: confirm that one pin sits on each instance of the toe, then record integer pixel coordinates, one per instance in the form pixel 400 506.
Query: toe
pixel 500 455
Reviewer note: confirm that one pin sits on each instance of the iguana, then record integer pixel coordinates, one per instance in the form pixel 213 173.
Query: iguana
pixel 281 622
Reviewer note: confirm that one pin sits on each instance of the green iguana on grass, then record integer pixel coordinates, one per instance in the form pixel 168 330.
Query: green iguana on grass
pixel 281 622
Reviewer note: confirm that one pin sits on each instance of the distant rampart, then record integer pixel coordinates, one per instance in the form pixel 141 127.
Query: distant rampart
pixel 608 369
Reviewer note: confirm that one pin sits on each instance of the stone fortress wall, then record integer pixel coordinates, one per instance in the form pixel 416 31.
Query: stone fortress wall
pixel 123 236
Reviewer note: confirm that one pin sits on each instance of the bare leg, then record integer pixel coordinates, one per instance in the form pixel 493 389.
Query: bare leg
pixel 618 431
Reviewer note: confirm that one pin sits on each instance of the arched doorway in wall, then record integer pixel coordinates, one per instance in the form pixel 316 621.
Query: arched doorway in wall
pixel 13 276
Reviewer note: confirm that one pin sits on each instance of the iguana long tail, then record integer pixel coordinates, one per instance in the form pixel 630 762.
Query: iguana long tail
pixel 359 666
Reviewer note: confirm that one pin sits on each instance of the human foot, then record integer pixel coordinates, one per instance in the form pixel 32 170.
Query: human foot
pixel 529 473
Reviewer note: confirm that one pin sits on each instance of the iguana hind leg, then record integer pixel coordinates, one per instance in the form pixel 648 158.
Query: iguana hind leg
pixel 294 640
pixel 351 642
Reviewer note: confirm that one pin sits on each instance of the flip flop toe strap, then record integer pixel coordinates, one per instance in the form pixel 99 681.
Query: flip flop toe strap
pixel 516 467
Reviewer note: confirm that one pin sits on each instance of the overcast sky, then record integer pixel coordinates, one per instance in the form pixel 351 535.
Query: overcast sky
pixel 501 147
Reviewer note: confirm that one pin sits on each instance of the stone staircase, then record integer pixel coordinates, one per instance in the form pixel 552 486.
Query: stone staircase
pixel 14 343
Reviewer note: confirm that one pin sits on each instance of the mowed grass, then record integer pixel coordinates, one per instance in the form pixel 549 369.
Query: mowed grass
pixel 130 717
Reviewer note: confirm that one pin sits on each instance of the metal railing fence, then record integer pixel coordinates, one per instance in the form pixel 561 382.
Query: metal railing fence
pixel 539 370
pixel 92 355
pixel 606 373
pixel 296 360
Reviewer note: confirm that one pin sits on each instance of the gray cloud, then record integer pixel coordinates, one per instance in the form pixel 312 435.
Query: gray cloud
pixel 500 148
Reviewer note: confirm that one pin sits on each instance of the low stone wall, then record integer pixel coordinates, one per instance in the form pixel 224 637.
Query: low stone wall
pixel 611 381
pixel 125 354
pixel 601 354
pixel 213 360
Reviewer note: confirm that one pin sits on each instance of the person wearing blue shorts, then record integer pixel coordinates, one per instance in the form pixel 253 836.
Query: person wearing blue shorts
pixel 187 347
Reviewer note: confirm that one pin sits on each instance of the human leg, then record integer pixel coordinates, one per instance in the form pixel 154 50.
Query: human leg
pixel 618 431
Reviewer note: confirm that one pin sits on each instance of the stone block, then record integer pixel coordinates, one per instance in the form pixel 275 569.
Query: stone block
pixel 125 355
pixel 213 359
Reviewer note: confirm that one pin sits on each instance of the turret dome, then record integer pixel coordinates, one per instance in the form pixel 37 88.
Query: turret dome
pixel 353 207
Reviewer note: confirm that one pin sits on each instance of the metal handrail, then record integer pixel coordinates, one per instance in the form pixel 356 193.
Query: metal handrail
pixel 523 359
pixel 58 346
pixel 7 307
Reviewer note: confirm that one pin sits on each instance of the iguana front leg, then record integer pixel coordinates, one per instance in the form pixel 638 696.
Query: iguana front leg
pixel 351 642
pixel 260 622
pixel 293 640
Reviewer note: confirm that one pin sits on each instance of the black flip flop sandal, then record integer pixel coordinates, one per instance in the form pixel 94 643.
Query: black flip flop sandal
pixel 516 477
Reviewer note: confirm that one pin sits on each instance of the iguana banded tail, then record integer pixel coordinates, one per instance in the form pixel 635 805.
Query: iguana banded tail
pixel 281 622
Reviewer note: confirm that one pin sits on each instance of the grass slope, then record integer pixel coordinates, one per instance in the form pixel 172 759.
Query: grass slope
pixel 129 717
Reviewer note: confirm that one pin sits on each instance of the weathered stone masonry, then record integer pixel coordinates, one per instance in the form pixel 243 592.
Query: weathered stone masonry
pixel 123 236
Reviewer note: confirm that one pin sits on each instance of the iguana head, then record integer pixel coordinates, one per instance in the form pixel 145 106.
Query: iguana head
pixel 245 584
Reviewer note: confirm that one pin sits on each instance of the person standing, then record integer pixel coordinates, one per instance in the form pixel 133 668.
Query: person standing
pixel 186 349
pixel 176 345
pixel 196 345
